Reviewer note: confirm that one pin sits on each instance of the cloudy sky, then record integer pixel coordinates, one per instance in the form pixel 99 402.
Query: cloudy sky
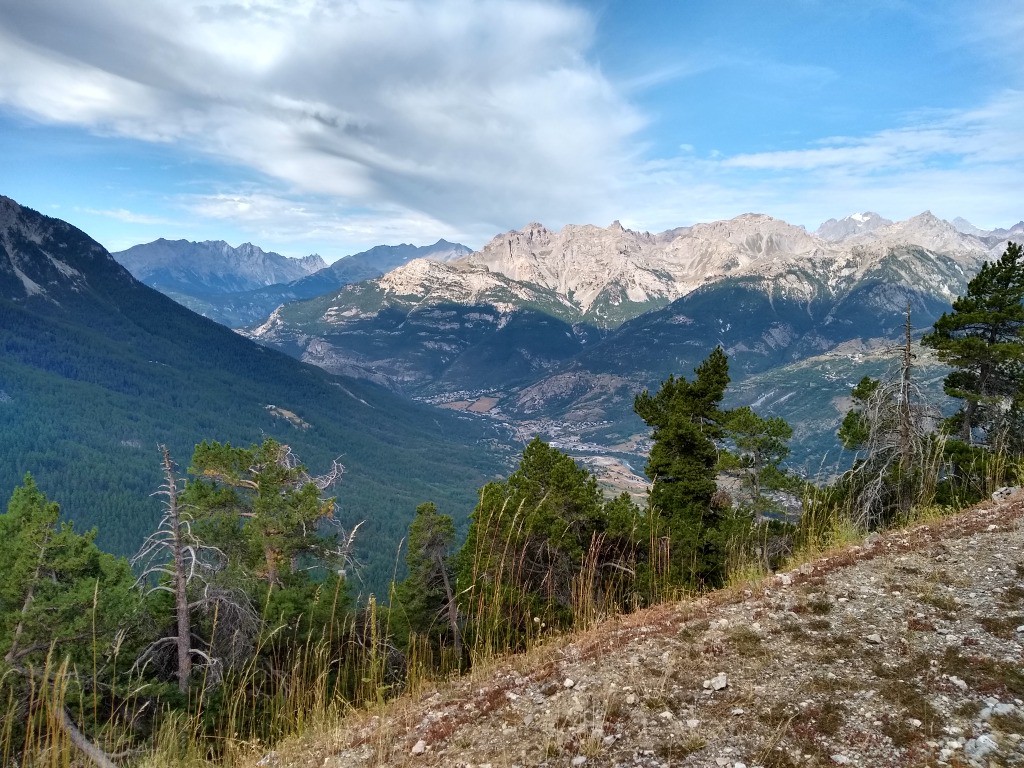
pixel 335 125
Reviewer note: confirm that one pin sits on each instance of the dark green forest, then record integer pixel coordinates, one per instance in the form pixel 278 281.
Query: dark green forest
pixel 96 373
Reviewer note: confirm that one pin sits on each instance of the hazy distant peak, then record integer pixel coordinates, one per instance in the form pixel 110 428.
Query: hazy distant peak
pixel 212 266
pixel 963 225
pixel 836 230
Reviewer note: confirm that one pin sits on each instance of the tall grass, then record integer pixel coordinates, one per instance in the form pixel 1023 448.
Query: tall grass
pixel 515 594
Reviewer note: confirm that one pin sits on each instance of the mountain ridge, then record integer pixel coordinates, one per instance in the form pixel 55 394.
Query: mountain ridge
pixel 236 306
pixel 97 369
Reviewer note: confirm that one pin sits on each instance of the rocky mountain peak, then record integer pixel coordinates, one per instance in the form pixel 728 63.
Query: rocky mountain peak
pixel 927 231
pixel 212 266
pixel 963 225
pixel 858 223
pixel 45 258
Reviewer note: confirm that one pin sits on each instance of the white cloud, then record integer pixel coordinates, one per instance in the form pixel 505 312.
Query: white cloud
pixel 461 111
pixel 289 225
pixel 968 163
pixel 129 217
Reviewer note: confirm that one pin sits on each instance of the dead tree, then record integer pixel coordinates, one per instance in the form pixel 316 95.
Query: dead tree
pixel 174 557
pixel 899 453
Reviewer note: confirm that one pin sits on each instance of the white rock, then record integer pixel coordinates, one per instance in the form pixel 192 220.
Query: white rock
pixel 666 715
pixel 718 682
pixel 579 760
pixel 569 682
pixel 840 759
pixel 874 638
pixel 958 682
pixel 977 749
pixel 631 699
pixel 420 747
pixel 692 723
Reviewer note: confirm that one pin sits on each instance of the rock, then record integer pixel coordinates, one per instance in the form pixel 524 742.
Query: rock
pixel 420 747
pixel 981 747
pixel 874 638
pixel 692 723
pixel 721 761
pixel 840 759
pixel 608 740
pixel 631 699
pixel 569 682
pixel 958 682
pixel 1002 494
pixel 718 682
pixel 666 715
pixel 579 760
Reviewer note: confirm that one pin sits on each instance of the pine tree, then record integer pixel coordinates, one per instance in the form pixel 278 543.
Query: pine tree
pixel 263 504
pixel 762 445
pixel 687 420
pixel 58 589
pixel 427 595
pixel 982 339
pixel 528 541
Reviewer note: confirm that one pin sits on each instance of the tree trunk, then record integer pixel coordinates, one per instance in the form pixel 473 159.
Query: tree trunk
pixel 906 447
pixel 184 639
pixel 453 608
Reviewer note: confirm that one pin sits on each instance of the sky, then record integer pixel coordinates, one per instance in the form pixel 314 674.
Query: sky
pixel 330 126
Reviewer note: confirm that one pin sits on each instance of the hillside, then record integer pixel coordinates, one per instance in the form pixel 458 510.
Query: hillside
pixel 902 651
pixel 96 369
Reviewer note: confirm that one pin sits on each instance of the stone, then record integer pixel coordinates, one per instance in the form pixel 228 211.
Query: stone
pixel 840 759
pixel 958 682
pixel 979 748
pixel 692 723
pixel 874 638
pixel 631 699
pixel 579 760
pixel 718 682
pixel 569 682
pixel 419 747
pixel 1002 494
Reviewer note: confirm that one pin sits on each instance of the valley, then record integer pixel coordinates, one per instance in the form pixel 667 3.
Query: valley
pixel 521 333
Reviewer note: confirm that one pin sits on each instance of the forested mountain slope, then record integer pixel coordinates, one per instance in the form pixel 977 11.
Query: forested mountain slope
pixel 96 369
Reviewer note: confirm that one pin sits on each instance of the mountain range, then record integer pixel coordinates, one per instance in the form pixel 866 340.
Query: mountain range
pixel 241 286
pixel 555 332
pixel 97 369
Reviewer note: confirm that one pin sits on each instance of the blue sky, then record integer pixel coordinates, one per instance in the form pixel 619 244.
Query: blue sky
pixel 333 125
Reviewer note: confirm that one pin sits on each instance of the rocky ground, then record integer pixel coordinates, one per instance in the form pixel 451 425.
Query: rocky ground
pixel 904 651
